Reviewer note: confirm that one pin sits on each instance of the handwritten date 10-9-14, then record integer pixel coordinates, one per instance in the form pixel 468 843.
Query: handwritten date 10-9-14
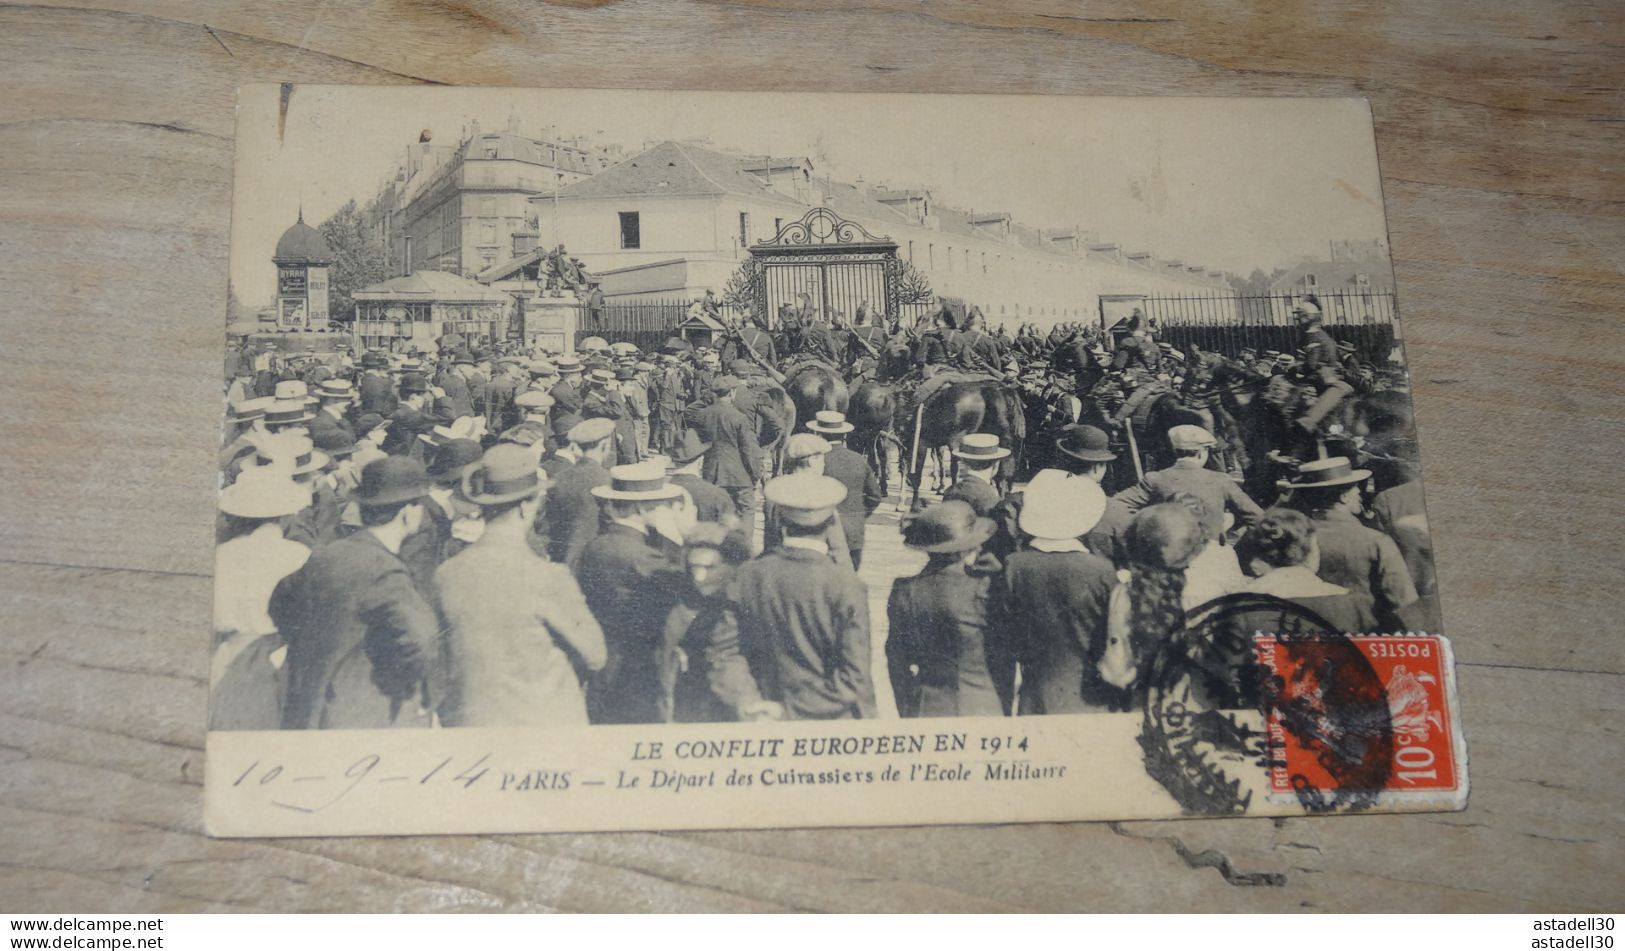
pixel 358 772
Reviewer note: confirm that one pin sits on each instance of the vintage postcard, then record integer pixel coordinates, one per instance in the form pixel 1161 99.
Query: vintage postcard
pixel 600 460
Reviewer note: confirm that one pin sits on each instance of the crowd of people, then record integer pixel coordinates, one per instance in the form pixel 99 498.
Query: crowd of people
pixel 502 536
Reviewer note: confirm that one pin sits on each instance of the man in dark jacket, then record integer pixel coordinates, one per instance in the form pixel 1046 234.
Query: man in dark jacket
pixel 630 583
pixel 362 641
pixel 569 516
pixel 711 504
pixel 376 389
pixel 733 463
pixel 803 619
pixel 852 471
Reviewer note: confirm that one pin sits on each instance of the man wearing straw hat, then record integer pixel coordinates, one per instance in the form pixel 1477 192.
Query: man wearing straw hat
pixel 1358 558
pixel 519 634
pixel 336 398
pixel 245 693
pixel 852 471
pixel 940 648
pixel 1054 596
pixel 363 643
pixel 630 581
pixel 979 455
pixel 803 619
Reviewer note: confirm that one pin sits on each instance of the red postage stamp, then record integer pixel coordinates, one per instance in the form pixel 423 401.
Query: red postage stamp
pixel 1388 727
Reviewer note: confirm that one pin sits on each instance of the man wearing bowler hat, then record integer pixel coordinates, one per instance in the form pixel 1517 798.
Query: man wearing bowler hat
pixel 852 471
pixel 938 646
pixel 1190 474
pixel 803 619
pixel 376 388
pixel 519 635
pixel 711 504
pixel 363 644
pixel 631 581
pixel 337 397
pixel 1086 451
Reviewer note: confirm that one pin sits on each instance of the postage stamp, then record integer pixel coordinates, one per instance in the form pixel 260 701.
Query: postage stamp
pixel 1405 744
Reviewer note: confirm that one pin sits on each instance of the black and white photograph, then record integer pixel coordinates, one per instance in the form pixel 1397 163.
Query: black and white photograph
pixel 548 411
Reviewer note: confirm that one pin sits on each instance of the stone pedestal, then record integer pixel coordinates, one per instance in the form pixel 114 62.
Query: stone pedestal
pixel 551 322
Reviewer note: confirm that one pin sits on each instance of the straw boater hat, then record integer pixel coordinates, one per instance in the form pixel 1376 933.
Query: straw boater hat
pixel 293 453
pixel 294 390
pixel 392 479
pixel 264 493
pixel 1190 437
pixel 980 447
pixel 246 411
pixel 830 423
pixel 335 390
pixel 1086 443
pixel 602 375
pixel 505 473
pixel 1325 473
pixel 568 364
pixel 638 482
pixel 1057 505
pixel 947 527
pixel 804 445
pixel 804 498
pixel 542 369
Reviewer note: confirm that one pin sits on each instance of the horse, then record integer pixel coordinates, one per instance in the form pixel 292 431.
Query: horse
pixel 959 409
pixel 814 387
pixel 872 409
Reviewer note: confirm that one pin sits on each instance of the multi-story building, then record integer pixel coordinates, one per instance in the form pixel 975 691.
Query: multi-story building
pixel 678 219
pixel 457 208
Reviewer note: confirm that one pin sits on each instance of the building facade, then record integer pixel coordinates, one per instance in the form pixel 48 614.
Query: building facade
pixel 678 219
pixel 457 208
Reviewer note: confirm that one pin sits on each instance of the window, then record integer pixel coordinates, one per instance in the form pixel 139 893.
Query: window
pixel 744 229
pixel 931 256
pixel 488 259
pixel 950 259
pixel 911 252
pixel 1309 280
pixel 1364 280
pixel 488 207
pixel 631 239
pixel 984 262
pixel 778 225
pixel 488 233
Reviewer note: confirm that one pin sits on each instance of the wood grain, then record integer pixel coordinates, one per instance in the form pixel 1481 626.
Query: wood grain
pixel 1499 129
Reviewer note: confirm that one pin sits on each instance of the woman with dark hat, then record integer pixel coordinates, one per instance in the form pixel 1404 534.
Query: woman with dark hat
pixel 940 649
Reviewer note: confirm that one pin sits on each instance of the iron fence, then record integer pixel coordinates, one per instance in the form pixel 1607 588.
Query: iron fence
pixel 1230 323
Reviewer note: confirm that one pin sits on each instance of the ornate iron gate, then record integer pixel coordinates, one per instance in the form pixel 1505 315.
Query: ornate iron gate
pixel 823 265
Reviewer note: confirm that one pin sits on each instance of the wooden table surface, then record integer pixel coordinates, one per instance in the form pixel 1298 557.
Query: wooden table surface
pixel 1499 125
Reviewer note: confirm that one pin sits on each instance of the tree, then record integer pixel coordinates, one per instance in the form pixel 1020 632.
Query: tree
pixel 360 257
pixel 744 289
pixel 912 286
